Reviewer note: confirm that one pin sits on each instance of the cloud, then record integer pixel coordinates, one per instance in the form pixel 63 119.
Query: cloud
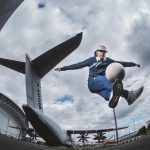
pixel 121 25
pixel 138 39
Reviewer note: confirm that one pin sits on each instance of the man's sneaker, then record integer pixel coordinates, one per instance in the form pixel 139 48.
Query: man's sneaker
pixel 134 95
pixel 116 93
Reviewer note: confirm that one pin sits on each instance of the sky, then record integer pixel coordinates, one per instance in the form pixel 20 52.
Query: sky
pixel 122 25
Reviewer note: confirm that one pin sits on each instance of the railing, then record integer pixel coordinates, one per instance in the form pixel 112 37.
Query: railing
pixel 11 135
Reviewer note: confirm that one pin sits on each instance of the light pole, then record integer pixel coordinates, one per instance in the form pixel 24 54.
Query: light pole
pixel 116 126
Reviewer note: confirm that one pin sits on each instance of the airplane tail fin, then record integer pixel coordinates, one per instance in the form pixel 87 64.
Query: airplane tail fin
pixel 33 86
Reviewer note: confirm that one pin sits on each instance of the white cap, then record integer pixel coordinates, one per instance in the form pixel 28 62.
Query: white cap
pixel 102 48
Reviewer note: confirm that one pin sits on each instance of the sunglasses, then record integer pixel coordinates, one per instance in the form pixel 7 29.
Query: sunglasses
pixel 102 51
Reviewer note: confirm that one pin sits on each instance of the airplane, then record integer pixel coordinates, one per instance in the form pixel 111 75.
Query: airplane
pixel 34 71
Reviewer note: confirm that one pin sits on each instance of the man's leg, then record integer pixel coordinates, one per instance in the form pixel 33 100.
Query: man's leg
pixel 102 87
pixel 105 94
pixel 108 90
pixel 116 93
pixel 132 96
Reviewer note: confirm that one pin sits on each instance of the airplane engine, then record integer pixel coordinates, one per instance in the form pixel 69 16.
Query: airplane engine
pixel 115 71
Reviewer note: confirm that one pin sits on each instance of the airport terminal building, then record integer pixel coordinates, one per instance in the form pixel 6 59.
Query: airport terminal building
pixel 12 119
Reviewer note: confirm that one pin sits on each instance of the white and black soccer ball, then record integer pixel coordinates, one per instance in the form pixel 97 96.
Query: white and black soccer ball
pixel 115 71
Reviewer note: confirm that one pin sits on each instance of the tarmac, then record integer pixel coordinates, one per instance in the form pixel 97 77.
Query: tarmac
pixel 141 144
pixel 7 143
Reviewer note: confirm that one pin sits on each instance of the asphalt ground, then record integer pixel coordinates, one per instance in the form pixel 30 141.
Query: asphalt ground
pixel 7 143
pixel 141 144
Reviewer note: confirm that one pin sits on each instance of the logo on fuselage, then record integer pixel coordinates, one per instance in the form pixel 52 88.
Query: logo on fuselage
pixel 39 95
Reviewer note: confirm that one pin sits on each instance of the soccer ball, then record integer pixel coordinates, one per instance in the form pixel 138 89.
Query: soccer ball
pixel 115 71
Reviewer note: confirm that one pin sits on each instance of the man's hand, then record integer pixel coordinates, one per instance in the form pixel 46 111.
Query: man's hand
pixel 58 69
pixel 137 65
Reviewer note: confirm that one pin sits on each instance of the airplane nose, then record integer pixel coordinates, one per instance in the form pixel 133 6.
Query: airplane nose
pixel 27 109
pixel 30 112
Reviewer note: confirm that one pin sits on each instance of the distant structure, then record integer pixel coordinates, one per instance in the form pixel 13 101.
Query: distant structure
pixel 12 119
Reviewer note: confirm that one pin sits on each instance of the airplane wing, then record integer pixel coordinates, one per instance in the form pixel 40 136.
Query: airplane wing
pixel 13 64
pixel 7 7
pixel 47 61
pixel 94 131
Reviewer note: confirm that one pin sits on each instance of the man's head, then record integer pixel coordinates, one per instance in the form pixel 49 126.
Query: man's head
pixel 101 51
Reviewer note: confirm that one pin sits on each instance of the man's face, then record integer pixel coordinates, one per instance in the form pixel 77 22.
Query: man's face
pixel 100 54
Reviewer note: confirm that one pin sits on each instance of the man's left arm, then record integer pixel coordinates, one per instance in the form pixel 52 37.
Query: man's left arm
pixel 128 64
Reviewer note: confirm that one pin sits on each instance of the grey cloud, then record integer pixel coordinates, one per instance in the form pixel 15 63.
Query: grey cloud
pixel 138 39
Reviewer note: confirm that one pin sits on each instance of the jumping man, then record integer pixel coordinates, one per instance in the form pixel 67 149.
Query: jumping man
pixel 97 81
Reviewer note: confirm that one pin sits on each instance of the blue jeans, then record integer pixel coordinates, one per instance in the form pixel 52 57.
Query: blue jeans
pixel 101 86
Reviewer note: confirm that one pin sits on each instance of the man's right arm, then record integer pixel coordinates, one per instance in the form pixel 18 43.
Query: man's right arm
pixel 75 66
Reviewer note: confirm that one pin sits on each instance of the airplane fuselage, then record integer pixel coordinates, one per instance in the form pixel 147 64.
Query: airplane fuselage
pixel 46 128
